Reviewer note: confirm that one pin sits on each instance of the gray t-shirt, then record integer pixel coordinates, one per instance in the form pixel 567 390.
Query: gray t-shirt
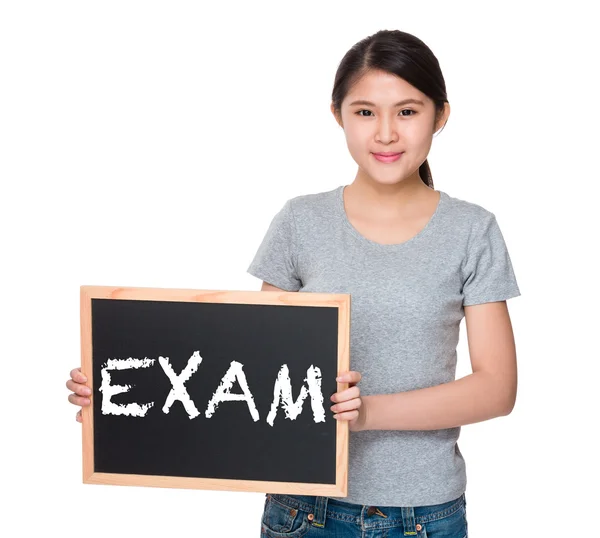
pixel 406 307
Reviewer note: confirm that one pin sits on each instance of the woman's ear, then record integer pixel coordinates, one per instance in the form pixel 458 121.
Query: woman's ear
pixel 336 116
pixel 442 118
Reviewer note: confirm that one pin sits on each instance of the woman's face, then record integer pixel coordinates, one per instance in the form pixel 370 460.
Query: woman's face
pixel 377 116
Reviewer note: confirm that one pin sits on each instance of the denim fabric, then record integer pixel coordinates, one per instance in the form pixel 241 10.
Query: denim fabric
pixel 295 516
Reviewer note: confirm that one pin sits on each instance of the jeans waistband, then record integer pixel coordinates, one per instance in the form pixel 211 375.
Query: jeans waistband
pixel 322 508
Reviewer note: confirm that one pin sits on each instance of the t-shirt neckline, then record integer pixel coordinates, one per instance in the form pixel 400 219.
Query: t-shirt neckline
pixel 392 246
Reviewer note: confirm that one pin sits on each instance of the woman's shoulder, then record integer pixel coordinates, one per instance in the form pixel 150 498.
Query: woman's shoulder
pixel 315 197
pixel 474 221
pixel 314 202
pixel 468 207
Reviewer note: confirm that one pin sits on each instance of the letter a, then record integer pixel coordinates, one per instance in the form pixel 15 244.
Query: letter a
pixel 223 394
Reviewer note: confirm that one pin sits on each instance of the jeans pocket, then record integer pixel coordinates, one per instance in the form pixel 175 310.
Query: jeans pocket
pixel 281 521
pixel 451 526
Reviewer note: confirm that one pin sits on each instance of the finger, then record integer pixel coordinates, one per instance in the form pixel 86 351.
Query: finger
pixel 347 406
pixel 78 400
pixel 348 394
pixel 78 388
pixel 348 415
pixel 77 376
pixel 349 377
pixel 78 416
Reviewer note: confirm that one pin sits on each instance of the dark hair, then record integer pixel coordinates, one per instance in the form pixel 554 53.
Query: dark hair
pixel 398 53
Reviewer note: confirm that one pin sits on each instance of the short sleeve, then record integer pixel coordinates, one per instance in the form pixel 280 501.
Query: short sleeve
pixel 275 261
pixel 488 273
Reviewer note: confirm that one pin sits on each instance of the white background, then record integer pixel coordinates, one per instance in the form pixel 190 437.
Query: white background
pixel 151 143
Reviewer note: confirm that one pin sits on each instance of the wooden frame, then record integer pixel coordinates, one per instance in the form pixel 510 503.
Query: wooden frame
pixel 341 301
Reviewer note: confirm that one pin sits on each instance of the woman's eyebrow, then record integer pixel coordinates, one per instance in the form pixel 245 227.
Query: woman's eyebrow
pixel 399 103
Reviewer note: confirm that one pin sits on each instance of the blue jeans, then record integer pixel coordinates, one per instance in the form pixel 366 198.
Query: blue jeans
pixel 294 516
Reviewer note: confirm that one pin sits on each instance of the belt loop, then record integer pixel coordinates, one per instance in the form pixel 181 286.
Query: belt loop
pixel 320 511
pixel 408 521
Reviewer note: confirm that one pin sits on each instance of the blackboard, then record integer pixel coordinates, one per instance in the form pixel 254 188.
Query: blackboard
pixel 214 389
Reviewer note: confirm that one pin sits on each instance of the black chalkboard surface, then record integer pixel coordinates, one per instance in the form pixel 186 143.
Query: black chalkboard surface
pixel 214 389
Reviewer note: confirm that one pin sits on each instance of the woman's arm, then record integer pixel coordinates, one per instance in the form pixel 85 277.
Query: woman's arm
pixel 490 391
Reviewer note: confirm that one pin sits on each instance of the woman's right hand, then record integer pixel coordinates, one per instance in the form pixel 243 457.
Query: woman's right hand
pixel 80 393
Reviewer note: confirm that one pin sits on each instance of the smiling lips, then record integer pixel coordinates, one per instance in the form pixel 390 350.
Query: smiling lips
pixel 387 156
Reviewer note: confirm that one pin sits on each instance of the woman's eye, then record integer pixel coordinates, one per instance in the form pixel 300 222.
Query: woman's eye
pixel 401 112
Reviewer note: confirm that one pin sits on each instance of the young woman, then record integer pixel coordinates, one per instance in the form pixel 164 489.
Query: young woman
pixel 415 261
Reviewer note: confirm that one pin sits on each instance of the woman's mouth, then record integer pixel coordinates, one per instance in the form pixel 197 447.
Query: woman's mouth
pixel 387 157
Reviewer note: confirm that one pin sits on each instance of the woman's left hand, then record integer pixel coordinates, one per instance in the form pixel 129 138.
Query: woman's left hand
pixel 348 403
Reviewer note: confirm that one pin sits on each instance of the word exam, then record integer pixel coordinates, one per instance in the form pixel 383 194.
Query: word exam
pixel 282 392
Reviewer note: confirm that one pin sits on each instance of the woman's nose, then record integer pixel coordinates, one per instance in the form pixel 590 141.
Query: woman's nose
pixel 386 132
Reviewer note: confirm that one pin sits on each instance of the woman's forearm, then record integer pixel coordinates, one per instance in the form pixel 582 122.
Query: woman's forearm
pixel 473 398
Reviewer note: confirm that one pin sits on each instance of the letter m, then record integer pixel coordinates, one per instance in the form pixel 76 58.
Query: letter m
pixel 282 394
